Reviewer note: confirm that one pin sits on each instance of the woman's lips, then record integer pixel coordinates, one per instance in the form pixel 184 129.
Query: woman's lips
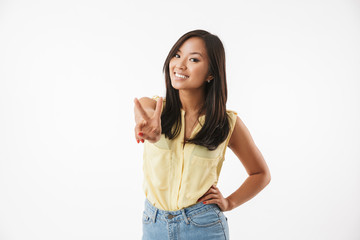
pixel 181 77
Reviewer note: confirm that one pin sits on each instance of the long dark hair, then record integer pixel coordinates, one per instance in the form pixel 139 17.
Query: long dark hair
pixel 216 126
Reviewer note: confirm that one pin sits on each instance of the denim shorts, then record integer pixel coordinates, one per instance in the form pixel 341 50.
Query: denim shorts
pixel 199 221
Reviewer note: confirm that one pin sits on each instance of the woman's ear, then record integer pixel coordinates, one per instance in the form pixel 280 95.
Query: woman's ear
pixel 210 77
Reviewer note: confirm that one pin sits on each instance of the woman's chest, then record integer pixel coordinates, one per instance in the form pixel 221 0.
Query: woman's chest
pixel 190 123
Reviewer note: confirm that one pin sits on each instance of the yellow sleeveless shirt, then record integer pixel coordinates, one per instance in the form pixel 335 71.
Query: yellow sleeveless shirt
pixel 176 177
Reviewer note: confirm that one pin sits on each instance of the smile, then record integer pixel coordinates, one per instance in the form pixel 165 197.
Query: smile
pixel 181 76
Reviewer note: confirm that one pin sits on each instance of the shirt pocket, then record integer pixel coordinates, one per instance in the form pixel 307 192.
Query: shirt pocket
pixel 157 162
pixel 203 152
pixel 201 175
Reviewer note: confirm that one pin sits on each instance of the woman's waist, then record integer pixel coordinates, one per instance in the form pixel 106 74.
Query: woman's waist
pixel 171 199
pixel 189 211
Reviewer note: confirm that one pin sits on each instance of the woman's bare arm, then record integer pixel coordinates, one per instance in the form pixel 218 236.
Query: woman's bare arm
pixel 243 146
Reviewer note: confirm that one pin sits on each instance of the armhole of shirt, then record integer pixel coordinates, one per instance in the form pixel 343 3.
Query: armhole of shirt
pixel 233 118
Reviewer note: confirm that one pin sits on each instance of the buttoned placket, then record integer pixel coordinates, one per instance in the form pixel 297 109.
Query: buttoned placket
pixel 185 150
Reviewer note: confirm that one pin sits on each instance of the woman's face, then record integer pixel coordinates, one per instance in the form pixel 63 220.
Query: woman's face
pixel 192 62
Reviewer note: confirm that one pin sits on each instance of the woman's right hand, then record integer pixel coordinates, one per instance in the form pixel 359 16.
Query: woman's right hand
pixel 148 127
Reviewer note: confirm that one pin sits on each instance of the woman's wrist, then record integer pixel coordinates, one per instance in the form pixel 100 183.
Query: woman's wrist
pixel 230 205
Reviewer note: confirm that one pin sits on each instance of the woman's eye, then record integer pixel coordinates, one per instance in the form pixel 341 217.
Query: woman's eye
pixel 178 56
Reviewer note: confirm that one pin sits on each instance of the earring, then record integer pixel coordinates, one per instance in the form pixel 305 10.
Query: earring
pixel 208 81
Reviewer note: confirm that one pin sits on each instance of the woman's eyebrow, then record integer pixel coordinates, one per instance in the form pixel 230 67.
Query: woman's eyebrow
pixel 193 52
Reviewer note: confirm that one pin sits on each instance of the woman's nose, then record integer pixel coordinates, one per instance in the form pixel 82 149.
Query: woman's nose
pixel 180 64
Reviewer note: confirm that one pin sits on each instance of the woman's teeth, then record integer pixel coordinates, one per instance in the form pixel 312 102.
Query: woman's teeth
pixel 182 76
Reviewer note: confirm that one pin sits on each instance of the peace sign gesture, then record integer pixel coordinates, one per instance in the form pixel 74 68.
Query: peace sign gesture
pixel 148 123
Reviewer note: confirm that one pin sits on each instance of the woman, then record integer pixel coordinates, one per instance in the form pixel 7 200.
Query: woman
pixel 185 137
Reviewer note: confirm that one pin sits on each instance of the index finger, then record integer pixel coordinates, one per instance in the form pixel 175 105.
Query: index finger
pixel 140 109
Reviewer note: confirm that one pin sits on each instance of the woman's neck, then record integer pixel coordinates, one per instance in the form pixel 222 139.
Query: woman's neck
pixel 191 101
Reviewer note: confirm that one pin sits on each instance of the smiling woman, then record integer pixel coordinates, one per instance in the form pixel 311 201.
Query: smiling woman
pixel 185 138
pixel 196 62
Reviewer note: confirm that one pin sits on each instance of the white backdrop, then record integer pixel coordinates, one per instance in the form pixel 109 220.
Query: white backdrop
pixel 70 167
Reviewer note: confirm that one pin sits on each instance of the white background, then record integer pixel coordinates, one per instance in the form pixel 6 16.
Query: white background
pixel 70 167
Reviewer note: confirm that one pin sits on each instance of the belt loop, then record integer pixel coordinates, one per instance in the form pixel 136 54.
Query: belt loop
pixel 185 217
pixel 154 219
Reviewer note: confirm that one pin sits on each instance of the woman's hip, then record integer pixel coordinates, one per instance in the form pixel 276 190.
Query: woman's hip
pixel 199 221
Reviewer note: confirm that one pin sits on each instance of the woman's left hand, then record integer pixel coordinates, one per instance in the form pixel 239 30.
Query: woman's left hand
pixel 213 195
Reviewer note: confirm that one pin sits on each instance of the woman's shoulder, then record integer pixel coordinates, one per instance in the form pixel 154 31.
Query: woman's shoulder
pixel 231 113
pixel 156 97
pixel 232 116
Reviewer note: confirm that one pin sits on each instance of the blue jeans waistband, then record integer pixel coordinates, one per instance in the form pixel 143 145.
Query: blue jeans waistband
pixel 186 212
